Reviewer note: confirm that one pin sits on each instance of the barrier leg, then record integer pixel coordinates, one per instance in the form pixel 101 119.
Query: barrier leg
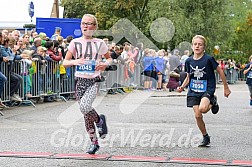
pixel 28 102
pixel 62 98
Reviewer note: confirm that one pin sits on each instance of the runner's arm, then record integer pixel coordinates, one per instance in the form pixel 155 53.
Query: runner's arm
pixel 102 65
pixel 68 61
pixel 184 84
pixel 224 81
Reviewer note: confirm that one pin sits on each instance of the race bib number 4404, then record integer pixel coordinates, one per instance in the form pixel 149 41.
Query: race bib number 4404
pixel 86 69
pixel 198 85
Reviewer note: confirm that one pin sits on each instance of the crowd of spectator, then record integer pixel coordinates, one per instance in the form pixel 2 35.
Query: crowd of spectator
pixel 27 48
pixel 160 69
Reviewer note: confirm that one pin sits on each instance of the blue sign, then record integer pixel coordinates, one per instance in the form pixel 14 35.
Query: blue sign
pixel 31 9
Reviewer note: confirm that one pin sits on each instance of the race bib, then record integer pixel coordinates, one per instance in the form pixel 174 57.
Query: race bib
pixel 86 69
pixel 198 85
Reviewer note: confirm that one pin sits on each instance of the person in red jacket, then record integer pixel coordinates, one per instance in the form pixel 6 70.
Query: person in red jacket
pixel 54 52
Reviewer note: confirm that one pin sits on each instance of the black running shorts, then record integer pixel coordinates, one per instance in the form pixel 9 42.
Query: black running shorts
pixel 193 101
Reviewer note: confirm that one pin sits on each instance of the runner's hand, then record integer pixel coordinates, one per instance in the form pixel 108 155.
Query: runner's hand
pixel 227 92
pixel 79 61
pixel 101 66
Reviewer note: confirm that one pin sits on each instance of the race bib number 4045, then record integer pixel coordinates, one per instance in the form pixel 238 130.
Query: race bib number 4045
pixel 198 85
pixel 86 69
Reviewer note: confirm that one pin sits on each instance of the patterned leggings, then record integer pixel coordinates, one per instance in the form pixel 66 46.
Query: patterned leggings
pixel 86 93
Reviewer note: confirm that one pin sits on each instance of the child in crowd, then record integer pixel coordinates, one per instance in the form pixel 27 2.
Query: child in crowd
pixel 25 66
pixel 41 58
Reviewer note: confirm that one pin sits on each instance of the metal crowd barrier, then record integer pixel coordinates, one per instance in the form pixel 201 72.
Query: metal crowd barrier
pixel 232 76
pixel 51 81
pixel 39 80
pixel 123 77
pixel 9 69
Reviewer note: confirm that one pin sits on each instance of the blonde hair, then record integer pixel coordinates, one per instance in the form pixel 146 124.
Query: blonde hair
pixel 146 51
pixel 117 48
pixel 201 37
pixel 152 52
pixel 41 48
pixel 250 58
pixel 94 18
pixel 160 53
pixel 27 52
pixel 59 38
pixel 15 31
pixel 42 35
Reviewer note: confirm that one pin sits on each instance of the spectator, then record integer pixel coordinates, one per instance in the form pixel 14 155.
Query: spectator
pixel 20 46
pixel 173 80
pixel 183 59
pixel 147 69
pixel 15 34
pixel 248 72
pixel 115 53
pixel 174 60
pixel 25 66
pixel 5 33
pixel 15 79
pixel 43 38
pixel 60 45
pixel 53 51
pixel 56 33
pixel 160 67
pixel 34 35
pixel 37 43
pixel 3 78
pixel 41 57
pixel 26 42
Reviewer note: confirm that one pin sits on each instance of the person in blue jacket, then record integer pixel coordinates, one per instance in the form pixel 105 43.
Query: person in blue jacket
pixel 160 67
pixel 148 69
pixel 15 79
pixel 3 79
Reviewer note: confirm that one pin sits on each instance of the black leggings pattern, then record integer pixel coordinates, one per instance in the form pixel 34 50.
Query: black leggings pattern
pixel 86 93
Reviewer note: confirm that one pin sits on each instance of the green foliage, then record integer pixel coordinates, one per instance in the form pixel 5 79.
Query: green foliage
pixel 244 33
pixel 217 20
pixel 29 26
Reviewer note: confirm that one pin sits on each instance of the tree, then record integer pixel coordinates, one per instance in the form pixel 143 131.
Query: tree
pixel 244 34
pixel 29 26
pixel 217 20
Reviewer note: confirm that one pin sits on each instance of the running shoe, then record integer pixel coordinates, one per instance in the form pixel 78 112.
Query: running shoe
pixel 93 148
pixel 205 142
pixel 102 128
pixel 215 107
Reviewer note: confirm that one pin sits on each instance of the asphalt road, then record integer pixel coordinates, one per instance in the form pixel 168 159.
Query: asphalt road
pixel 141 125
